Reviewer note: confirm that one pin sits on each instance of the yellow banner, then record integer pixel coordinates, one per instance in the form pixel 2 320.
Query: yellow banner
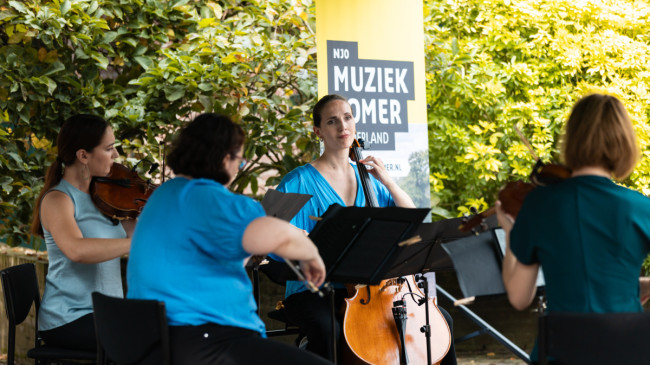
pixel 372 53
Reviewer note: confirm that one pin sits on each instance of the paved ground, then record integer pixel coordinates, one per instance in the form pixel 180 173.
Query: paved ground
pixel 488 359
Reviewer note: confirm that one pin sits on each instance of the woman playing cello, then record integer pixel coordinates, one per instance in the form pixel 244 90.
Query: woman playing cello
pixel 330 179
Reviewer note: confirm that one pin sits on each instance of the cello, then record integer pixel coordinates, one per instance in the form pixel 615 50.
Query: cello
pixel 382 324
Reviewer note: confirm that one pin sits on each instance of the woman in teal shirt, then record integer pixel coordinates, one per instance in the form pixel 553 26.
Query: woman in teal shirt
pixel 589 234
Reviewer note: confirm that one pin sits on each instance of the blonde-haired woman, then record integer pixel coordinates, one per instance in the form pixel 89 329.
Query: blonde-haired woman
pixel 590 234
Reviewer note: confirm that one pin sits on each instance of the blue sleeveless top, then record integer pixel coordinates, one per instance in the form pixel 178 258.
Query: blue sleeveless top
pixel 68 284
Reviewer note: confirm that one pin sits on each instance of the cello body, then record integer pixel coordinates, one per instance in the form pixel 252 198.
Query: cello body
pixel 370 327
pixel 371 333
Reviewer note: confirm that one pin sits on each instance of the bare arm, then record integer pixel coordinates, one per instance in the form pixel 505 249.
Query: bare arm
pixel 644 284
pixel 518 279
pixel 271 235
pixel 57 217
pixel 129 226
pixel 378 170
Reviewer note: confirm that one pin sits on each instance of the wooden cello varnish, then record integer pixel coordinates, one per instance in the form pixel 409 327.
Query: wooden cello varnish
pixel 369 327
pixel 371 333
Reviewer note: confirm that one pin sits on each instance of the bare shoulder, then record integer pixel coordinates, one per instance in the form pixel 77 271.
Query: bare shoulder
pixel 55 198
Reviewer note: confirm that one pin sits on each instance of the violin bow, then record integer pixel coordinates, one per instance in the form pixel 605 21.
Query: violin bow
pixel 525 140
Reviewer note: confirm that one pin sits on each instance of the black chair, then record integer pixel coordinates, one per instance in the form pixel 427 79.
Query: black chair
pixel 594 338
pixel 278 273
pixel 20 288
pixel 131 331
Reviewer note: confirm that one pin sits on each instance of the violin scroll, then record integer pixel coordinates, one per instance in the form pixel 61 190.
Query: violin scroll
pixel 548 174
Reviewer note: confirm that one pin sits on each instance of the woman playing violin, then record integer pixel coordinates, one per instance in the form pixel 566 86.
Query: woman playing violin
pixel 190 245
pixel 332 179
pixel 83 245
pixel 589 234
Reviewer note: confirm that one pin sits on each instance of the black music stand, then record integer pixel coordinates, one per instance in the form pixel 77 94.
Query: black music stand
pixel 477 264
pixel 283 206
pixel 360 244
pixel 476 258
pixel 477 261
pixel 426 254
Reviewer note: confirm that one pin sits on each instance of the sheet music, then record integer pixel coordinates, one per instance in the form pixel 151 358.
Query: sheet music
pixel 283 205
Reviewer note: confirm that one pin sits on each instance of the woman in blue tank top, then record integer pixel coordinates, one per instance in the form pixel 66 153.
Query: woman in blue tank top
pixel 83 245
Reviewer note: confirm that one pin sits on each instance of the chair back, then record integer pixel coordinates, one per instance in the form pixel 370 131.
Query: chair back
pixel 131 331
pixel 20 288
pixel 594 338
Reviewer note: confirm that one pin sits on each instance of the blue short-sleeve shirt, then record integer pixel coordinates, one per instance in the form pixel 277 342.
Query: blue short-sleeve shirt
pixel 187 251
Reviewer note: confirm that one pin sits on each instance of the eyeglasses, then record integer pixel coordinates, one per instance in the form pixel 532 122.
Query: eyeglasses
pixel 243 162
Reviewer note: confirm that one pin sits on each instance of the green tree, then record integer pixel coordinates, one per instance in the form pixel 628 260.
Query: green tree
pixel 496 64
pixel 149 66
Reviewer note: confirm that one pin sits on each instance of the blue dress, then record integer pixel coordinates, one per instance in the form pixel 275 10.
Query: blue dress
pixel 307 180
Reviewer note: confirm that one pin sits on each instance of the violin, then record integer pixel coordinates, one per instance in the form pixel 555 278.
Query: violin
pixel 382 323
pixel 122 194
pixel 513 194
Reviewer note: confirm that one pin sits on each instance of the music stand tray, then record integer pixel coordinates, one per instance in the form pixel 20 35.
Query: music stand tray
pixel 359 244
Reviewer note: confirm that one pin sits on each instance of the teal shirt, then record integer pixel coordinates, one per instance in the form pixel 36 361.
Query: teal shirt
pixel 307 180
pixel 187 251
pixel 591 237
pixel 68 284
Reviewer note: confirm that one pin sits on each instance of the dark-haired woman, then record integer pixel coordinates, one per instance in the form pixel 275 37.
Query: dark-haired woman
pixel 190 245
pixel 83 245
pixel 590 234
pixel 332 179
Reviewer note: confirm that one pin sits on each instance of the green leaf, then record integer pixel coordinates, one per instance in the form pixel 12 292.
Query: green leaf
pixel 110 36
pixel 19 6
pixel 54 67
pixel 174 93
pixel 143 61
pixel 102 61
pixel 65 7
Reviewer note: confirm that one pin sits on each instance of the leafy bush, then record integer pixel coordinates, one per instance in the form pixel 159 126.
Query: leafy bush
pixel 496 64
pixel 147 67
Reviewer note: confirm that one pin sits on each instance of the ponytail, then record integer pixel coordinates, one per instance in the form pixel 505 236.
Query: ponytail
pixel 52 178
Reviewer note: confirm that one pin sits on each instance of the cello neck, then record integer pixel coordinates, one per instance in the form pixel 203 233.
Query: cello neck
pixel 366 183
